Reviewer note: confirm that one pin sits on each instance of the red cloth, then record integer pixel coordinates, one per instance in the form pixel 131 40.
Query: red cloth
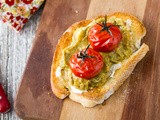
pixel 16 13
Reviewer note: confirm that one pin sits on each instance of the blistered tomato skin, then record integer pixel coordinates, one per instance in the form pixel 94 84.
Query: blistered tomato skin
pixel 89 67
pixel 104 41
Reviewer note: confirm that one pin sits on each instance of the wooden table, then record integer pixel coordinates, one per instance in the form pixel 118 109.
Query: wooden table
pixel 14 51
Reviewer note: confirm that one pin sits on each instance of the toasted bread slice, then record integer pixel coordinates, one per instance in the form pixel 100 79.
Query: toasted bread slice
pixel 97 95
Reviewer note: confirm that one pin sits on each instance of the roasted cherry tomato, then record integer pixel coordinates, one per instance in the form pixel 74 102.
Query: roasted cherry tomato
pixel 27 1
pixel 86 63
pixel 104 37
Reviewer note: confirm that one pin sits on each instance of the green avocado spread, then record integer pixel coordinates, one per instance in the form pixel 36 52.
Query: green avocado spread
pixel 79 41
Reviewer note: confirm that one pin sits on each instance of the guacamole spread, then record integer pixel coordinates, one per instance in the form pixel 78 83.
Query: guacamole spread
pixel 79 41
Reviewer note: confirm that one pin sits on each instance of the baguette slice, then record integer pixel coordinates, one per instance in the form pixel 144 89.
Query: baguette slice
pixel 97 96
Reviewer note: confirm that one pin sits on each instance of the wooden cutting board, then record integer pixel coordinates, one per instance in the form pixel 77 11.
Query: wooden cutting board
pixel 137 99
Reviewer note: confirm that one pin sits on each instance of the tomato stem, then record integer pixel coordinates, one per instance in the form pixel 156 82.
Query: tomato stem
pixel 105 27
pixel 83 55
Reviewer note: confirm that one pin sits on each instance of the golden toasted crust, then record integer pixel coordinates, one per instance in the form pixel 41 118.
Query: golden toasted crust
pixel 65 40
pixel 97 96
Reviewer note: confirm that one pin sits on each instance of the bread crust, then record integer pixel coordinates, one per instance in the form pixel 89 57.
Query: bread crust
pixel 97 95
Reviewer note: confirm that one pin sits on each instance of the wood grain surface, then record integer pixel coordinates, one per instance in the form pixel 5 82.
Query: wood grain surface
pixel 14 51
pixel 138 98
